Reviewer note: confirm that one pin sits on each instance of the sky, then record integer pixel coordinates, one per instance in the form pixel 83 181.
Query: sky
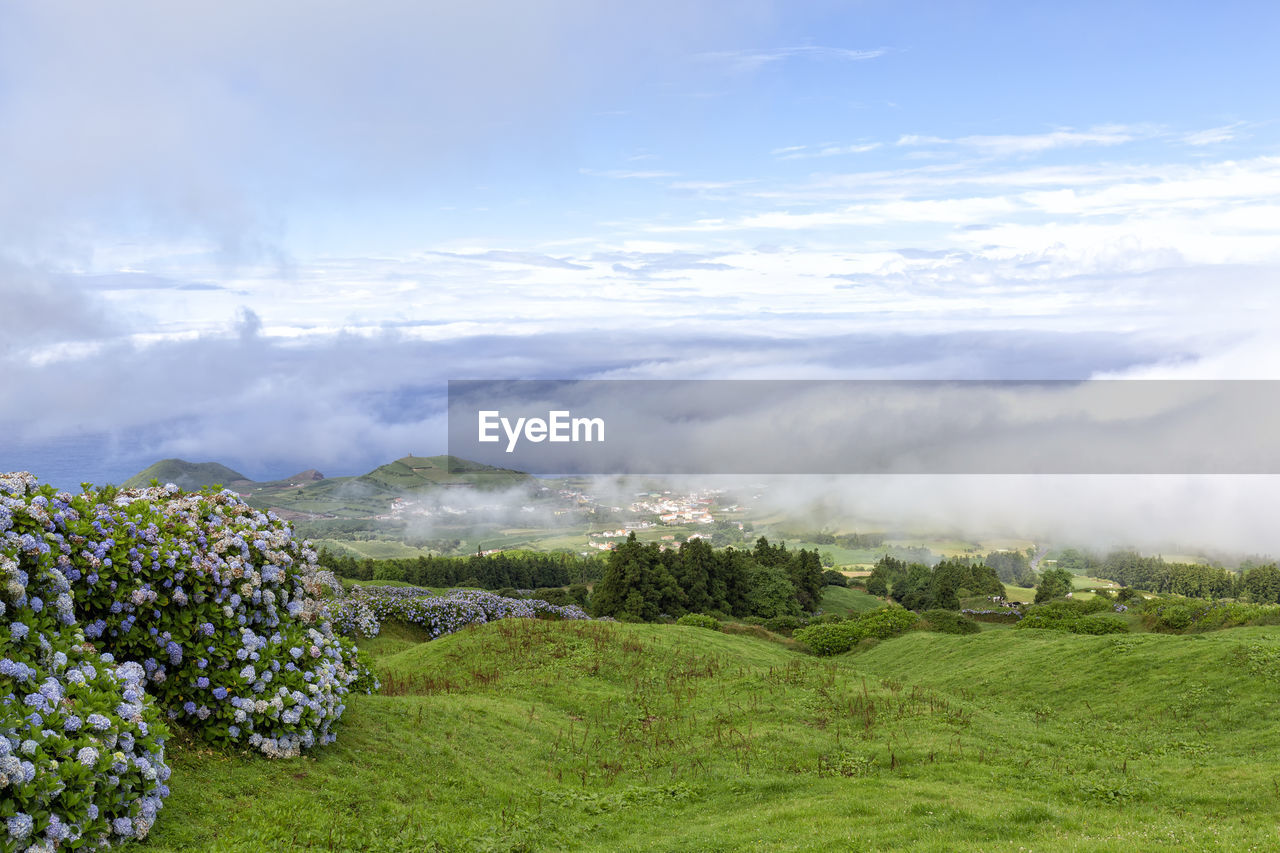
pixel 268 234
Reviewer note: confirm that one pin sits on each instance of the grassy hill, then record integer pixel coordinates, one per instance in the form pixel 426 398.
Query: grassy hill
pixel 529 735
pixel 311 494
pixel 845 601
pixel 186 475
pixel 372 493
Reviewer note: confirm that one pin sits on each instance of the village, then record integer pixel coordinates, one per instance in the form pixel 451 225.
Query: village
pixel 653 509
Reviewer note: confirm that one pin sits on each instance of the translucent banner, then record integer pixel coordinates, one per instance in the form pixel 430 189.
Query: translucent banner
pixel 867 426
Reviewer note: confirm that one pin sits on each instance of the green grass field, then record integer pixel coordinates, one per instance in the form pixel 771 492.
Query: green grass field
pixel 530 735
pixel 838 599
pixel 377 549
pixel 1019 593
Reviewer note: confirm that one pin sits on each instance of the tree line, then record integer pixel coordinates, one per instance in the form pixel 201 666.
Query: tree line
pixel 1260 583
pixel 852 541
pixel 642 582
pixel 513 570
pixel 917 586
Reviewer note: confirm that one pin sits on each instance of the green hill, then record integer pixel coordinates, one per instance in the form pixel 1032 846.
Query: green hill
pixel 311 493
pixel 372 493
pixel 845 601
pixel 532 735
pixel 419 472
pixel 186 475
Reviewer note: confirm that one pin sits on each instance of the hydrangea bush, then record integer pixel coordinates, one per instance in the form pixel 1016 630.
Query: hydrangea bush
pixel 362 611
pixel 81 743
pixel 219 604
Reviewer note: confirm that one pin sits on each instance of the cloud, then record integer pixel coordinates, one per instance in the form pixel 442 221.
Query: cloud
pixel 1004 145
pixel 750 60
pixel 1212 135
pixel 801 152
pixel 647 265
pixel 261 113
pixel 532 259
pixel 340 401
pixel 125 281
pixel 628 174
pixel 42 308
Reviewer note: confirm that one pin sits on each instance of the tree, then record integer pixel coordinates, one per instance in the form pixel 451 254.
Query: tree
pixel 1011 567
pixel 770 592
pixel 636 584
pixel 1263 583
pixel 693 572
pixel 886 572
pixel 948 577
pixel 914 589
pixel 983 580
pixel 804 569
pixel 1054 583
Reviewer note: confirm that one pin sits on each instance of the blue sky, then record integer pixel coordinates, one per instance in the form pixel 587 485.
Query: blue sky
pixel 269 235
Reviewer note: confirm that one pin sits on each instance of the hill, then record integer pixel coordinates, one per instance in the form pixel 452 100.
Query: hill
pixel 419 472
pixel 532 735
pixel 310 494
pixel 186 475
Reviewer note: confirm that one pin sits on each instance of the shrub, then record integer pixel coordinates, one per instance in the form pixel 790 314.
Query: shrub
pixel 1054 617
pixel 353 617
pixel 1193 614
pixel 386 570
pixel 553 595
pixel 1100 625
pixel 784 624
pixel 220 606
pixel 698 620
pixel 81 744
pixel 366 680
pixel 828 639
pixel 578 594
pixel 1174 617
pixel 998 617
pixel 887 622
pixel 837 638
pixel 363 609
pixel 948 622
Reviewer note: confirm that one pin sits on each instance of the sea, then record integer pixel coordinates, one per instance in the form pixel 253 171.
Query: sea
pixel 100 458
pixel 69 460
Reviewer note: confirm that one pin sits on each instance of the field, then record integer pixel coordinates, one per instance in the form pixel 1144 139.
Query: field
pixel 836 599
pixel 377 549
pixel 532 735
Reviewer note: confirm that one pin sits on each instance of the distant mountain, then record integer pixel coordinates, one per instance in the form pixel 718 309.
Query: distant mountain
pixel 186 475
pixel 311 494
pixel 311 475
pixel 418 472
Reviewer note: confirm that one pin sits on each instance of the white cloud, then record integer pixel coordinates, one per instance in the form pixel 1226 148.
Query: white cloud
pixel 802 152
pixel 1212 135
pixel 749 60
pixel 628 174
pixel 1004 145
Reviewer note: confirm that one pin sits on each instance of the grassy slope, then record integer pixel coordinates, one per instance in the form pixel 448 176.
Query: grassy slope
pixel 525 735
pixel 837 599
pixel 377 549
pixel 187 475
pixel 368 494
